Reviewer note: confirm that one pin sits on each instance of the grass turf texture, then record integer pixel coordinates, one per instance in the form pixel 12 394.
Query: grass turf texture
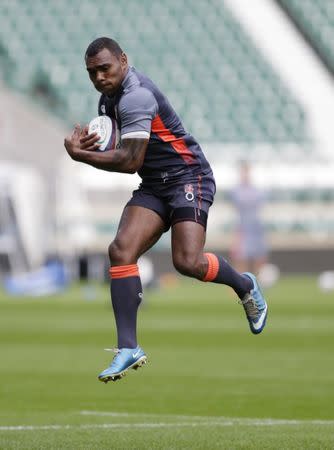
pixel 206 371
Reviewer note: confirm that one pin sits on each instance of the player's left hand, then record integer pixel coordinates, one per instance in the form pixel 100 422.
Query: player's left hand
pixel 72 142
pixel 79 140
pixel 88 142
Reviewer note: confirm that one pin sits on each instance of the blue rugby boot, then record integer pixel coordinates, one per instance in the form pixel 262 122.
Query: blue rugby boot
pixel 125 359
pixel 255 306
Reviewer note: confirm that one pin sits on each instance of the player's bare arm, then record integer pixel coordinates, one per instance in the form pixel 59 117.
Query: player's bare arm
pixel 128 158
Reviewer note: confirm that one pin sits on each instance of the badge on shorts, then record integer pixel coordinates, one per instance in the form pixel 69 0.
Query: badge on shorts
pixel 189 192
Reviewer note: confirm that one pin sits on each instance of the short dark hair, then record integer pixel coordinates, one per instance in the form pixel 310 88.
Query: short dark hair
pixel 100 43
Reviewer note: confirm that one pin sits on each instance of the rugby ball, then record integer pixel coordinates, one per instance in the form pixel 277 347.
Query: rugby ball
pixel 106 128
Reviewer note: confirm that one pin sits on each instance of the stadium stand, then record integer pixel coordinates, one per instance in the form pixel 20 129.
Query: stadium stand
pixel 315 20
pixel 225 90
pixel 217 80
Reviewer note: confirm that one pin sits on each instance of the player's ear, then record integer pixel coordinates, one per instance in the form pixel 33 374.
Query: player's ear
pixel 124 60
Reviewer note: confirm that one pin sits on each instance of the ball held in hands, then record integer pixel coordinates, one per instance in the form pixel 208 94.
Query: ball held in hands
pixel 107 130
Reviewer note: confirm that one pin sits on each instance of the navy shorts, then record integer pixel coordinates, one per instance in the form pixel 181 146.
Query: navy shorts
pixel 185 199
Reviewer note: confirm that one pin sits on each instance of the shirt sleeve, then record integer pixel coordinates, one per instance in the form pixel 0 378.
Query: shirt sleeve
pixel 136 110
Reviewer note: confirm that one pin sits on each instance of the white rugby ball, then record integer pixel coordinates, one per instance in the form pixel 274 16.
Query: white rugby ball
pixel 326 281
pixel 106 128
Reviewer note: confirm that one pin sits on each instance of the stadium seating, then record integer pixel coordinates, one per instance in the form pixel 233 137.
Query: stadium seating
pixel 217 80
pixel 315 18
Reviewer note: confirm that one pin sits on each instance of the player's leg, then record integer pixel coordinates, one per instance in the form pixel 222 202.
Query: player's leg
pixel 190 202
pixel 258 264
pixel 138 230
pixel 188 238
pixel 257 250
pixel 238 253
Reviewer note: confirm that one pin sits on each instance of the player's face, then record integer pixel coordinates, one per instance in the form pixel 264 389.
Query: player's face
pixel 107 71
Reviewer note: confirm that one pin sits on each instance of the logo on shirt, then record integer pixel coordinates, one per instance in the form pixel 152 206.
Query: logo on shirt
pixel 189 192
pixel 103 109
pixel 164 176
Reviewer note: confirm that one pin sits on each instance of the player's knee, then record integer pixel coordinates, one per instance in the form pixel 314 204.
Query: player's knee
pixel 119 254
pixel 186 264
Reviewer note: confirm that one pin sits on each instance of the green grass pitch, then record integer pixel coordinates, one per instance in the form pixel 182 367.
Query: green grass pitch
pixel 210 384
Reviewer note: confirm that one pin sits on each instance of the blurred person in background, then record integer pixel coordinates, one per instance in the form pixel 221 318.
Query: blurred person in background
pixel 176 192
pixel 249 251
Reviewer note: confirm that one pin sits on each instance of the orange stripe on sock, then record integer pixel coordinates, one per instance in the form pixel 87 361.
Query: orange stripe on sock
pixel 213 267
pixel 130 270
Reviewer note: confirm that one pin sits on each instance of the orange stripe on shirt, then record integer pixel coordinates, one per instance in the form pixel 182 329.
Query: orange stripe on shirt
pixel 199 186
pixel 213 267
pixel 130 270
pixel 178 144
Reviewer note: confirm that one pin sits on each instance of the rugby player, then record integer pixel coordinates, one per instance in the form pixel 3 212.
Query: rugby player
pixel 176 192
pixel 250 251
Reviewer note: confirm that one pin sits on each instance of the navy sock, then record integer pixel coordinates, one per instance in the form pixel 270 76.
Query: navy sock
pixel 126 294
pixel 220 271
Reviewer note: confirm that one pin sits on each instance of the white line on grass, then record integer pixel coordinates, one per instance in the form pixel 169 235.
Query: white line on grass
pixel 216 419
pixel 115 426
pixel 189 421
